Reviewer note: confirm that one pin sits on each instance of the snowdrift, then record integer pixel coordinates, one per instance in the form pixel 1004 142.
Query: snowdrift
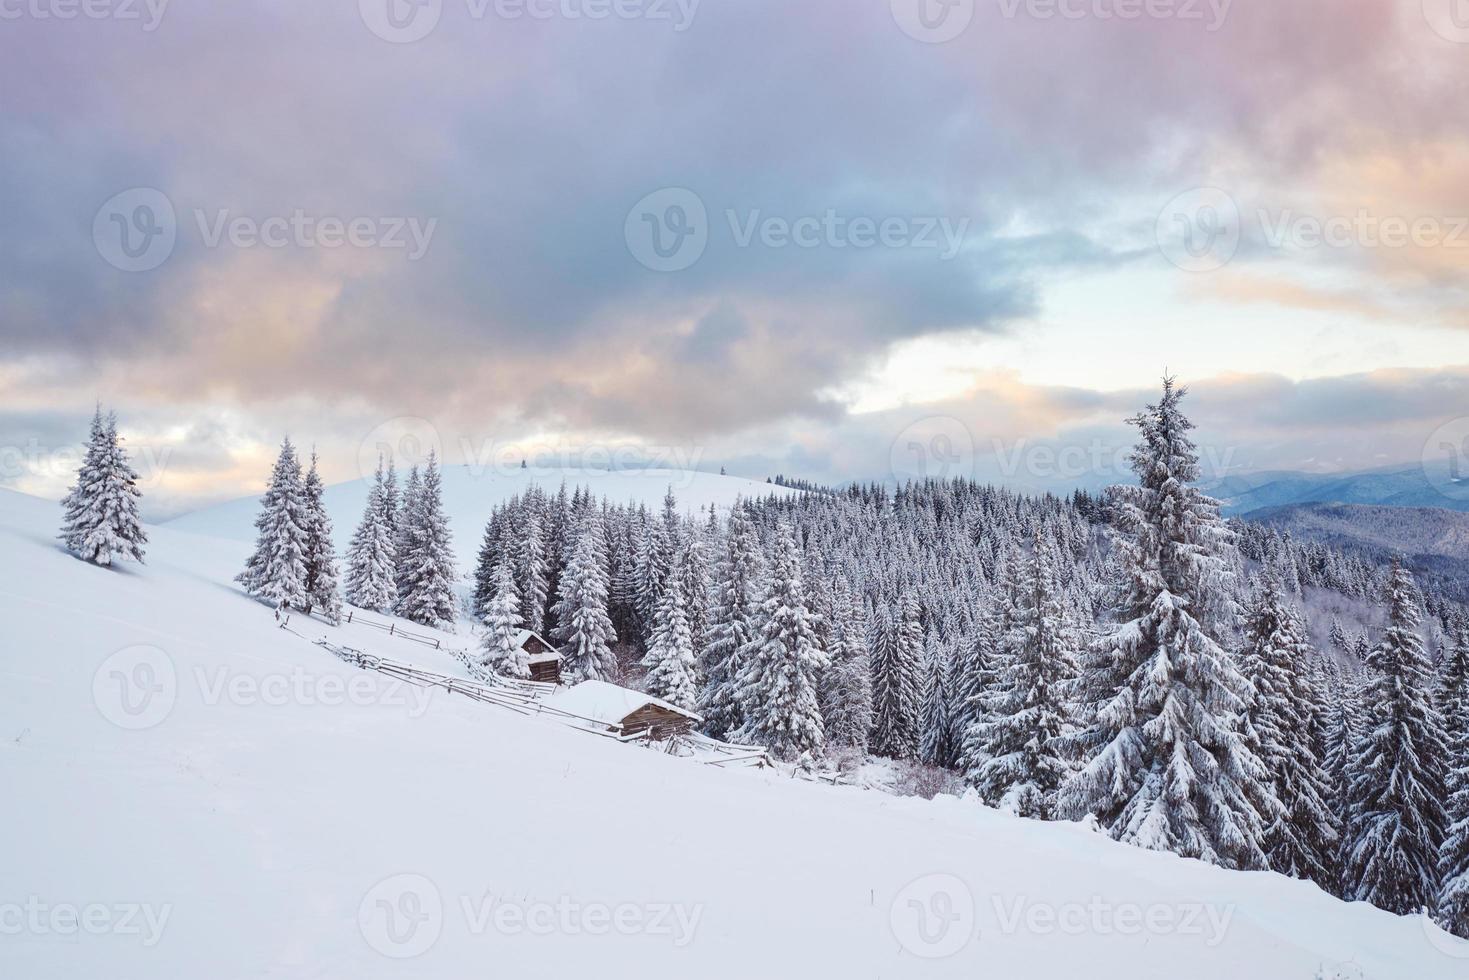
pixel 192 791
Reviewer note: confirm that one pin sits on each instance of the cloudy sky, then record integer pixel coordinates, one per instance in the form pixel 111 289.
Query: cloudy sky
pixel 831 238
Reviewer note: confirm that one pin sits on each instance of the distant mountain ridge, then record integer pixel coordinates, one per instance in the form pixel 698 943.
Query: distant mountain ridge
pixel 1433 541
pixel 1436 486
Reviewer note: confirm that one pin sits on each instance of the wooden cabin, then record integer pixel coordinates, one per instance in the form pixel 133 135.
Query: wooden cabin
pixel 545 659
pixel 623 712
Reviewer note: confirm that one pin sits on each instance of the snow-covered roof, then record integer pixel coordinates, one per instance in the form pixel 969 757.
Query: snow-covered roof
pixel 523 636
pixel 608 703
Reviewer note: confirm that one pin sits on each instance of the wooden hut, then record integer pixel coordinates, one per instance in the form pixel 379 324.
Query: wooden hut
pixel 545 659
pixel 622 711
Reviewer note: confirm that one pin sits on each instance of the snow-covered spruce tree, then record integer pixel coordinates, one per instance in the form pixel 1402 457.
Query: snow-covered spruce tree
pixel 1343 731
pixel 1397 786
pixel 1275 659
pixel 371 560
pixel 652 572
pixel 672 671
pixel 502 621
pixel 1025 759
pixel 583 627
pixel 779 666
pixel 896 690
pixel 738 587
pixel 977 686
pixel 846 686
pixel 938 743
pixel 101 511
pixel 1165 765
pixel 321 558
pixel 531 568
pixel 276 572
pixel 426 568
pixel 1453 864
pixel 979 663
pixel 405 528
pixel 693 574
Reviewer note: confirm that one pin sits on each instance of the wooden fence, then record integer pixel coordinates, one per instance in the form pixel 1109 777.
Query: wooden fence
pixel 524 698
pixel 392 629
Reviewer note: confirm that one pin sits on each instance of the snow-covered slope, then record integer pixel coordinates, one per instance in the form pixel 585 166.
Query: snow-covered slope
pixel 470 494
pixel 191 791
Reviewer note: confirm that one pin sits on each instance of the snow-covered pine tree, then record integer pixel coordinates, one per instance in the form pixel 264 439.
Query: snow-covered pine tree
pixel 938 743
pixel 780 665
pixel 977 685
pixel 1024 759
pixel 1397 787
pixel 531 567
pixel 1275 659
pixel 738 587
pixel 321 559
pixel 652 573
pixel 276 572
pixel 101 520
pixel 1453 861
pixel 1166 767
pixel 693 574
pixel 371 560
pixel 582 625
pixel 502 621
pixel 426 569
pixel 846 686
pixel 672 670
pixel 1343 731
pixel 405 528
pixel 896 689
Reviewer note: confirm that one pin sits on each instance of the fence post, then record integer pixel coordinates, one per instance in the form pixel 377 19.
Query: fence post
pixel 349 615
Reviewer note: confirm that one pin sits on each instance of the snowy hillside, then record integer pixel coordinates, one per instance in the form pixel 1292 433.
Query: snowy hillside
pixel 192 791
pixel 471 494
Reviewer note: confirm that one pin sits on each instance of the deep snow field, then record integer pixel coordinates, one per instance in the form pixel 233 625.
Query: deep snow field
pixel 192 792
